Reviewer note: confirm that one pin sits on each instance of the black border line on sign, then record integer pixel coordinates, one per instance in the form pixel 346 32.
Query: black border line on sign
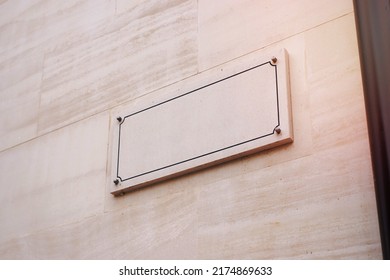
pixel 187 93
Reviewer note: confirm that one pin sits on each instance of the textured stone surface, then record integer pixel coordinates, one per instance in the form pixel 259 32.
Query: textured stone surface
pixel 67 67
pixel 55 179
pixel 231 28
pixel 142 49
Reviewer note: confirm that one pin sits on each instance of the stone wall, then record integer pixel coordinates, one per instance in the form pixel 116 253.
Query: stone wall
pixel 65 66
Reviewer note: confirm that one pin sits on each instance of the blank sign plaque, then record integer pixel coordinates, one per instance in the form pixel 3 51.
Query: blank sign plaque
pixel 221 114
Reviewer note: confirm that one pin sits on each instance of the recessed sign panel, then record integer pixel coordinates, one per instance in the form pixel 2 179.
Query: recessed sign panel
pixel 237 109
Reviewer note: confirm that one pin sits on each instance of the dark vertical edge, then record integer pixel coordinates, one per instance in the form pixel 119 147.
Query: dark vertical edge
pixel 373 30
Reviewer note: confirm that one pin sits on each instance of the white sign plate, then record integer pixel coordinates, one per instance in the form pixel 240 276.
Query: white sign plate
pixel 240 108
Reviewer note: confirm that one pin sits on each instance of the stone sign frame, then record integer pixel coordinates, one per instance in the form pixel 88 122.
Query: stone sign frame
pixel 141 129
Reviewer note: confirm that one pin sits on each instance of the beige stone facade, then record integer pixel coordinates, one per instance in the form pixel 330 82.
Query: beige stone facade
pixel 67 66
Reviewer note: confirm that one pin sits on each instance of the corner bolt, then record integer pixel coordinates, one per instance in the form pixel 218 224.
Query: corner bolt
pixel 274 60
